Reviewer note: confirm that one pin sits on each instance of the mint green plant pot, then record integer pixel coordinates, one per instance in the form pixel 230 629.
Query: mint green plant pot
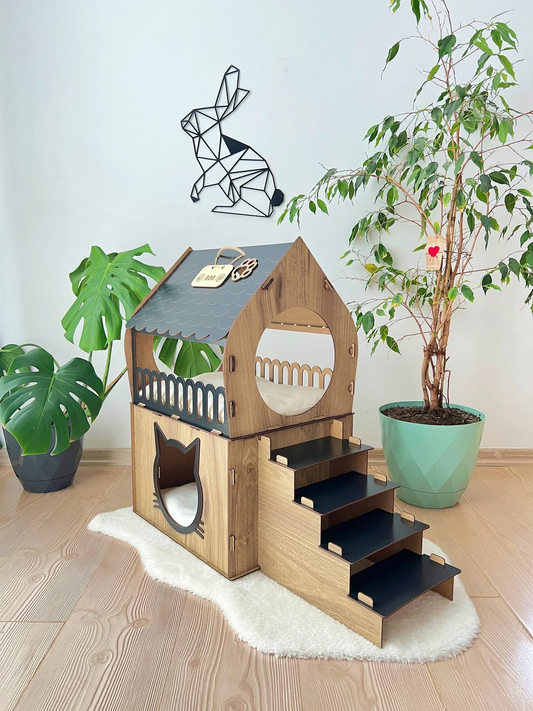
pixel 432 463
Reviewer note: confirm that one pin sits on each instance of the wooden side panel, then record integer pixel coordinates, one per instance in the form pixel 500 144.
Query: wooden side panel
pixel 214 547
pixel 128 352
pixel 242 502
pixel 144 351
pixel 298 283
pixel 289 538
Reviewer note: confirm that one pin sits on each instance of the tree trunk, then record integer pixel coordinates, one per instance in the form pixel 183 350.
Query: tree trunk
pixel 433 374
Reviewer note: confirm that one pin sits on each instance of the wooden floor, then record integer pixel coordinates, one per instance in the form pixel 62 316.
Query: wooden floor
pixel 83 627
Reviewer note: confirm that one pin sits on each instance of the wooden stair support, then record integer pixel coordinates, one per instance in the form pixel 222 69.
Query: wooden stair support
pixel 321 578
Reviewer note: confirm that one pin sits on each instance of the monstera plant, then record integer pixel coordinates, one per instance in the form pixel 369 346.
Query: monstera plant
pixel 45 407
pixel 450 175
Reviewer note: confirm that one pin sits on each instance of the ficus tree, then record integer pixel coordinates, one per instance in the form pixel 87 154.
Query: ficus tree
pixel 453 172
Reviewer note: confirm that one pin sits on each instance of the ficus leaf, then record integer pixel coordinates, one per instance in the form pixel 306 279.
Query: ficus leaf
pixel 510 202
pixel 322 205
pixel 476 159
pixel 467 292
pixel 368 322
pixel 393 51
pixel 392 344
pixel 446 45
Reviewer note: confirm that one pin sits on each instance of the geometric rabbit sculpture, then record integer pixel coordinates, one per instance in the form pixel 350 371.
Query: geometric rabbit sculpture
pixel 239 170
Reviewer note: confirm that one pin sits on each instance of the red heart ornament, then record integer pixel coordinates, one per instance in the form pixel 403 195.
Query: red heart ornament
pixel 433 251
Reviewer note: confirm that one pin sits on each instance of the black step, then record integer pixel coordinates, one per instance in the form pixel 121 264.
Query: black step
pixel 369 533
pixel 317 451
pixel 332 494
pixel 395 581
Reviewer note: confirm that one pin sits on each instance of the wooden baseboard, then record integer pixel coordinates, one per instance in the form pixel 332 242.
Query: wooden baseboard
pixel 486 458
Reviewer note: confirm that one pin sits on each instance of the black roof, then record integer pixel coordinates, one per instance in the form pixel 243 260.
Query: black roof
pixel 180 310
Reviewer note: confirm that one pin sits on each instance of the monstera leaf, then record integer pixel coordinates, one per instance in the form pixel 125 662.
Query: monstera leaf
pixel 108 288
pixel 33 401
pixel 193 358
pixel 7 355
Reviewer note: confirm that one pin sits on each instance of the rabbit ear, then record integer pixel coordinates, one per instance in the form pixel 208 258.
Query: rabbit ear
pixel 230 94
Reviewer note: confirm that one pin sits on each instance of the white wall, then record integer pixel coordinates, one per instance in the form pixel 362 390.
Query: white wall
pixel 92 153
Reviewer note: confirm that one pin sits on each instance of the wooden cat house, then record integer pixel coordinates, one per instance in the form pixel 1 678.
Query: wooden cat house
pixel 255 466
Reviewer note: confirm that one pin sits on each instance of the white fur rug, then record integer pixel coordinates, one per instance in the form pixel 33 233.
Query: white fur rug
pixel 273 620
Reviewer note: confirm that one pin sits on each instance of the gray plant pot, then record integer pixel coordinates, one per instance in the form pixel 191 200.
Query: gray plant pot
pixel 42 473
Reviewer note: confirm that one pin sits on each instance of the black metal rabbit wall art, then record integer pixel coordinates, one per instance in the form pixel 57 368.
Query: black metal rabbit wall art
pixel 243 175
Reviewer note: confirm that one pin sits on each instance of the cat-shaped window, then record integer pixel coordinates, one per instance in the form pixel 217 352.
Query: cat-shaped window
pixel 177 486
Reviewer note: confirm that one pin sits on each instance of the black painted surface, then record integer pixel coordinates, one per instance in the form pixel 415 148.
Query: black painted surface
pixel 171 383
pixel 44 473
pixel 369 533
pixel 317 451
pixel 397 580
pixel 332 494
pixel 180 310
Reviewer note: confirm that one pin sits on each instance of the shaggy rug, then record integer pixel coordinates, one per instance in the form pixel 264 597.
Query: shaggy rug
pixel 273 620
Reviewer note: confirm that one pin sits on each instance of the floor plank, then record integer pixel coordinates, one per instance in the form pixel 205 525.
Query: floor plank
pixel 496 673
pixel 114 651
pixel 23 645
pixel 132 643
pixel 328 685
pixel 21 512
pixel 46 575
pixel 213 669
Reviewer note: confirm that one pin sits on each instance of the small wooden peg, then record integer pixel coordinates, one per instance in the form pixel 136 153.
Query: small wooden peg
pixel 366 599
pixel 407 516
pixel 307 502
pixel 355 440
pixel 380 478
pixel 334 548
pixel 282 460
pixel 437 559
pixel 232 477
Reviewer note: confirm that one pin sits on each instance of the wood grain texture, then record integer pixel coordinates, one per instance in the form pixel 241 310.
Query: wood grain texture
pixel 213 669
pixel 44 577
pixel 492 675
pixel 328 685
pixel 486 458
pixel 131 643
pixel 114 652
pixel 21 512
pixel 23 645
pixel 289 534
pixel 298 283
pixel 242 505
pixel 214 548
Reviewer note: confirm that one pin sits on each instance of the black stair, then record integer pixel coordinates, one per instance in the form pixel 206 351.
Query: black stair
pixel 369 533
pixel 317 451
pixel 395 581
pixel 332 494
